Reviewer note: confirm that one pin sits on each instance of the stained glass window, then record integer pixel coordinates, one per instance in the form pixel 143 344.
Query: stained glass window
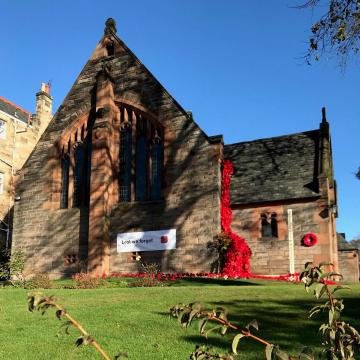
pixel 141 168
pixel 64 195
pixel 78 176
pixel 125 164
pixel 156 170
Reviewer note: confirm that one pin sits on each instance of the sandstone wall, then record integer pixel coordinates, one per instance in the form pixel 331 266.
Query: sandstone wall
pixel 191 192
pixel 271 254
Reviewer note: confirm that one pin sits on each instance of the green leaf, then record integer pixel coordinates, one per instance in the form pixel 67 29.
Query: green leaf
pixel 325 263
pixel 268 352
pixel 254 324
pixel 202 325
pixel 79 341
pixel 280 355
pixel 236 342
pixel 223 330
pixel 217 327
pixel 314 310
pixel 333 273
pixel 319 290
pixel 341 287
pixel 84 340
pixel 307 354
pixel 121 355
pixel 191 316
pixel 59 314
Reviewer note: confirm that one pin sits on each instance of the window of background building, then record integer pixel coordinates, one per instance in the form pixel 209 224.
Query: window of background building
pixel 2 129
pixel 1 182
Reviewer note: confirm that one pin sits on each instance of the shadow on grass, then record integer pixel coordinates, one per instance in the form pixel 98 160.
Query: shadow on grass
pixel 281 322
pixel 213 281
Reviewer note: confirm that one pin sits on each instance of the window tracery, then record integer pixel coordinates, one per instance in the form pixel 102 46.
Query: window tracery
pixel 141 157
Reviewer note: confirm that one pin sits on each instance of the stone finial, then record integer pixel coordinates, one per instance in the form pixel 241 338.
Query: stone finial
pixel 110 26
pixel 323 110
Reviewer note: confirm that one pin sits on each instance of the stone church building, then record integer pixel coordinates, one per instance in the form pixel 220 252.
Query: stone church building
pixel 121 157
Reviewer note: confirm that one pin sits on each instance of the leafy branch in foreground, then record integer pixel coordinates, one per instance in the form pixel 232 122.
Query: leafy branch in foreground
pixel 340 340
pixel 36 301
pixel 186 314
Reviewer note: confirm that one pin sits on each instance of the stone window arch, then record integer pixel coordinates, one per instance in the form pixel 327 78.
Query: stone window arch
pixel 74 154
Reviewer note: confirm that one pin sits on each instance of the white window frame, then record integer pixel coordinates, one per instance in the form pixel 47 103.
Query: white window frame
pixel 3 133
pixel 2 178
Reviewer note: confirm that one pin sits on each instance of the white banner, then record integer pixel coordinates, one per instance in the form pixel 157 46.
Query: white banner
pixel 146 241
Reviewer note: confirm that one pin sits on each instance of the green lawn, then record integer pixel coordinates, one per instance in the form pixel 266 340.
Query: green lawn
pixel 135 319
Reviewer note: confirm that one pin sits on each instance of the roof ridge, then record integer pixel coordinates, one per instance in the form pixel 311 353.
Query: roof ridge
pixel 15 106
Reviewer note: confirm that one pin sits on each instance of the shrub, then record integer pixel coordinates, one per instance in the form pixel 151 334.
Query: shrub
pixel 86 281
pixel 13 267
pixel 152 275
pixel 220 245
pixel 39 281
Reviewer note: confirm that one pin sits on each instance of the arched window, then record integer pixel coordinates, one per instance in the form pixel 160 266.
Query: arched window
pixel 265 226
pixel 64 194
pixel 125 163
pixel 269 226
pixel 274 225
pixel 79 176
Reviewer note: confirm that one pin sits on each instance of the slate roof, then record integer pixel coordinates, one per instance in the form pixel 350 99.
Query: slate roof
pixel 14 110
pixel 343 244
pixel 272 169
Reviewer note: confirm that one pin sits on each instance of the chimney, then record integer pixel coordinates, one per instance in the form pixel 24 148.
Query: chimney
pixel 43 108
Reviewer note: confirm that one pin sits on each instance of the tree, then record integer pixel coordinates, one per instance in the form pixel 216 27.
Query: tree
pixel 356 242
pixel 337 31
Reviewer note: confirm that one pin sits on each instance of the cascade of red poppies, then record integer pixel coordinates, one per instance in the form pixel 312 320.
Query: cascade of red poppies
pixel 237 258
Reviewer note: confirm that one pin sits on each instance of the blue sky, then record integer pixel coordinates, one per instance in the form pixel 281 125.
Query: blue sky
pixel 236 64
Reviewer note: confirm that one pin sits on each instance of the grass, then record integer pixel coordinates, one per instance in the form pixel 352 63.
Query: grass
pixel 135 319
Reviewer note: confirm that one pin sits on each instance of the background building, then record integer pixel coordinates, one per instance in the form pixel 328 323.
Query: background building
pixel 19 132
